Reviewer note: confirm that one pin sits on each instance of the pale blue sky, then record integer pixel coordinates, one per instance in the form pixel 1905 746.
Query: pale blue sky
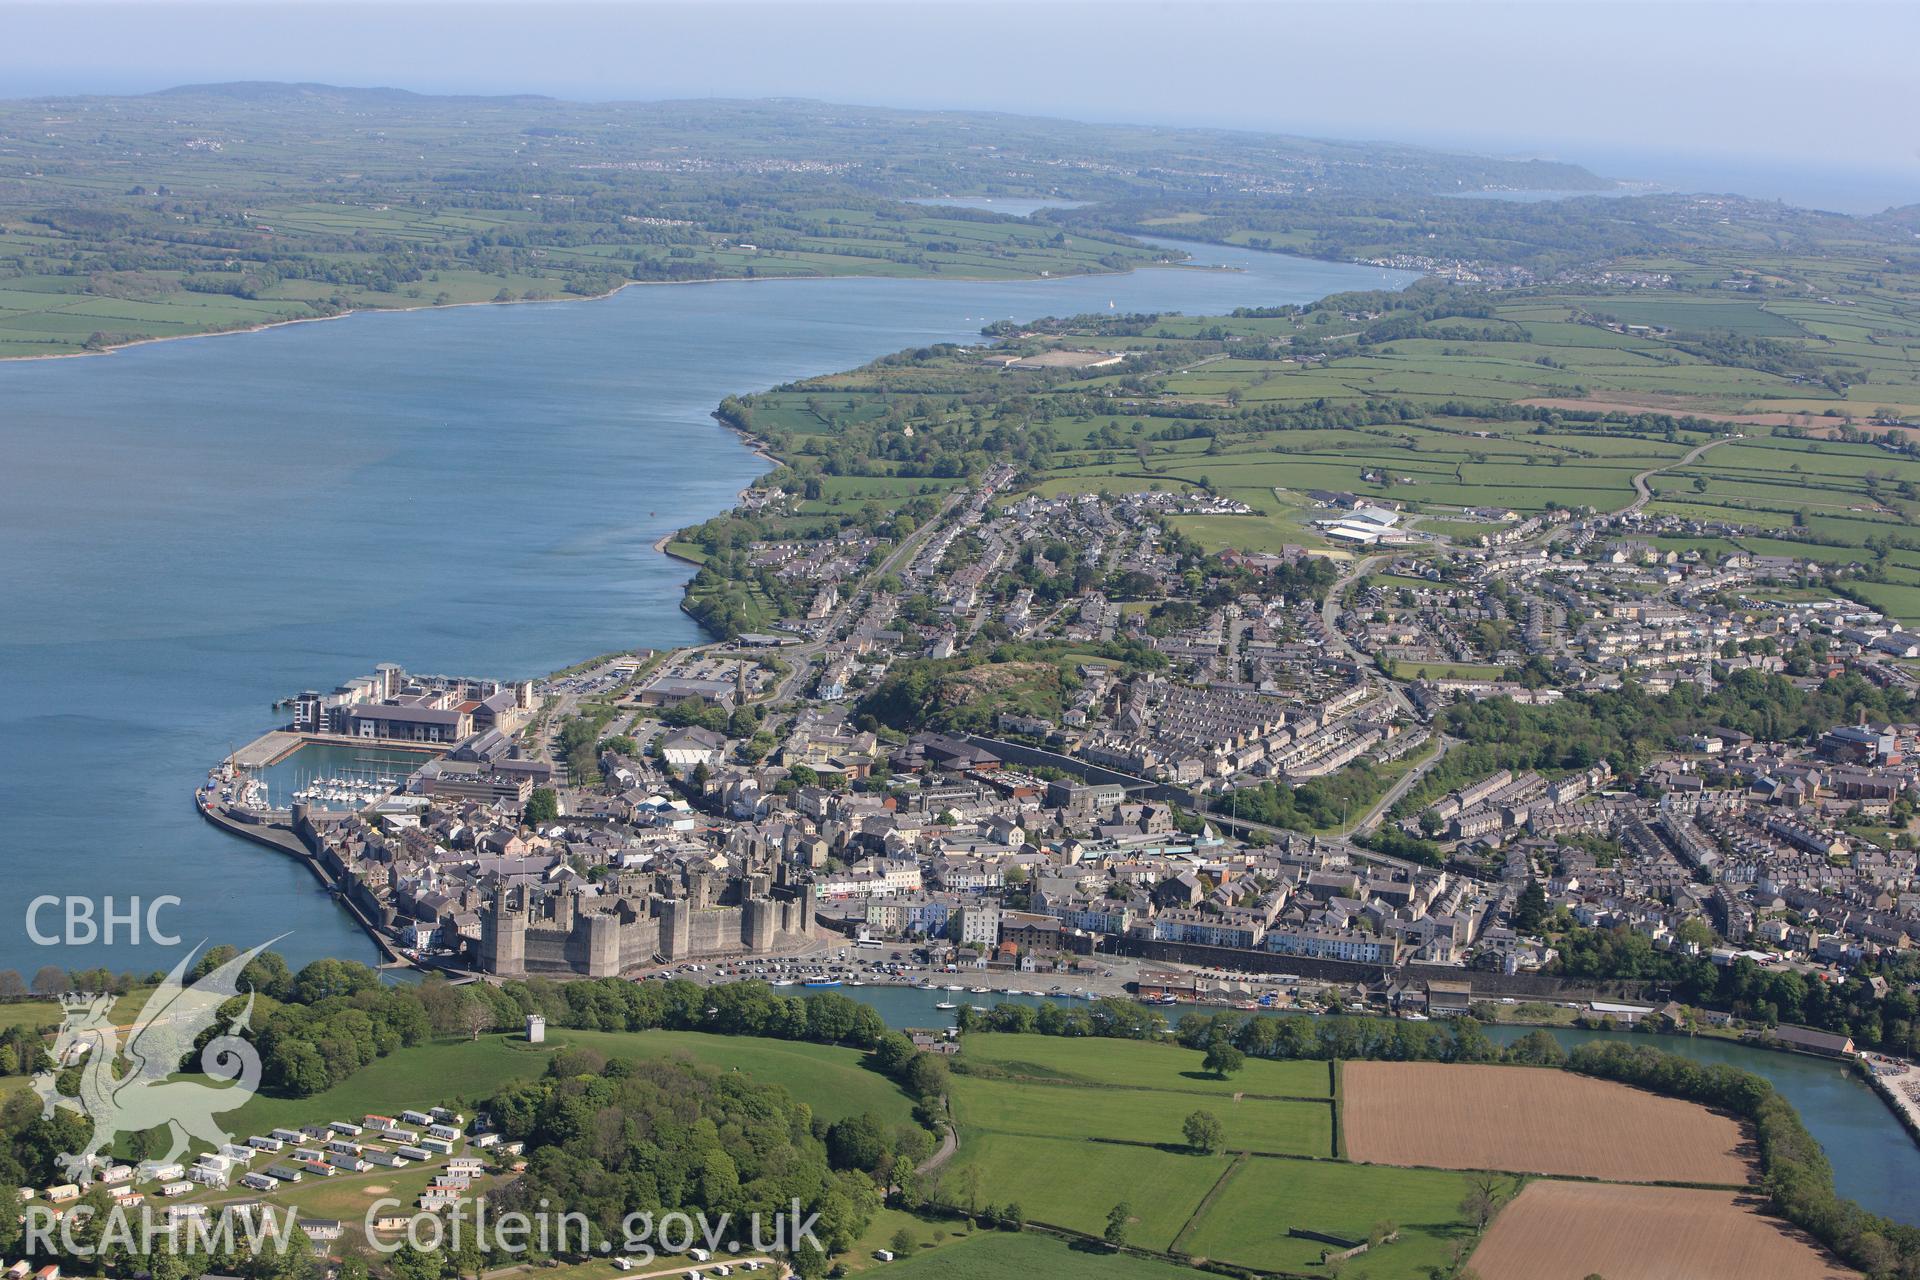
pixel 1812 101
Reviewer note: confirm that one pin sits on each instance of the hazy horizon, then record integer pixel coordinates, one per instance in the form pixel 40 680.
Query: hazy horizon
pixel 1581 82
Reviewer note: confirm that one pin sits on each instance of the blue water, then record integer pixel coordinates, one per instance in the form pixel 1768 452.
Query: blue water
pixel 191 530
pixel 1845 187
pixel 1874 1160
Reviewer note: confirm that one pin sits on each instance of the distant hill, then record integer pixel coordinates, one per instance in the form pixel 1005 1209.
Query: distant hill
pixel 279 91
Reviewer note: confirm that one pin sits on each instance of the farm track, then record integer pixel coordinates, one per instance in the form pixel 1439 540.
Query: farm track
pixel 1643 494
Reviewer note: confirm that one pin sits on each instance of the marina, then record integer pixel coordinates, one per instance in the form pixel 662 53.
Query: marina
pixel 327 774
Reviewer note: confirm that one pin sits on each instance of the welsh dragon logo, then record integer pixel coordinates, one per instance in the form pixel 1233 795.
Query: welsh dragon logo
pixel 145 1096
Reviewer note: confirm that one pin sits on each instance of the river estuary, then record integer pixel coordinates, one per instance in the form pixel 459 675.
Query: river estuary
pixel 191 530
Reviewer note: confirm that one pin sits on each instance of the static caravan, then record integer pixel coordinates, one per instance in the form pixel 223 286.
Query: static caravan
pixel 438 1145
pixel 414 1153
pixel 286 1135
pixel 387 1159
pixel 117 1173
pixel 467 1166
pixel 344 1127
pixel 208 1176
pixel 258 1181
pixel 154 1171
pixel 400 1135
pixel 265 1144
pixel 343 1148
pixel 320 1169
pixel 128 1198
pixel 284 1172
pixel 379 1122
pixel 238 1153
pixel 444 1132
pixel 179 1188
pixel 449 1180
pixel 484 1140
pixel 352 1164
pixel 220 1164
pixel 309 1153
pixel 416 1117
pixel 444 1116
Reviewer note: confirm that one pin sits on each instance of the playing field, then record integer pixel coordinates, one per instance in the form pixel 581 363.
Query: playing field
pixel 1142 1065
pixel 1480 1117
pixel 1567 1231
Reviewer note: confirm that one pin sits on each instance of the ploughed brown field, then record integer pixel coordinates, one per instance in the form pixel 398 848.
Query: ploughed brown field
pixel 1532 1120
pixel 1569 1230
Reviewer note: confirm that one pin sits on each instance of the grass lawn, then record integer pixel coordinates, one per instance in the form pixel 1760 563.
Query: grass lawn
pixel 1138 1115
pixel 33 1014
pixel 1070 1183
pixel 433 1074
pixel 886 1223
pixel 835 1082
pixel 1142 1065
pixel 1001 1255
pixel 1247 1222
pixel 830 1080
pixel 348 1198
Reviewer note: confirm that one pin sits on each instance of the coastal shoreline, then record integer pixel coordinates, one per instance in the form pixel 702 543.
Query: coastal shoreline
pixel 591 297
pixel 660 547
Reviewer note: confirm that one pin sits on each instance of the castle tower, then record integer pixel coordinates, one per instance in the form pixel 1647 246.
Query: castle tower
pixel 757 923
pixel 600 934
pixel 676 928
pixel 503 938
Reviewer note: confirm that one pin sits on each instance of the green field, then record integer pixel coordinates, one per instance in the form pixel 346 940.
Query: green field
pixel 1026 1256
pixel 33 1014
pixel 831 1080
pixel 1247 1222
pixel 1138 1115
pixel 1071 1183
pixel 1142 1065
pixel 1033 1134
